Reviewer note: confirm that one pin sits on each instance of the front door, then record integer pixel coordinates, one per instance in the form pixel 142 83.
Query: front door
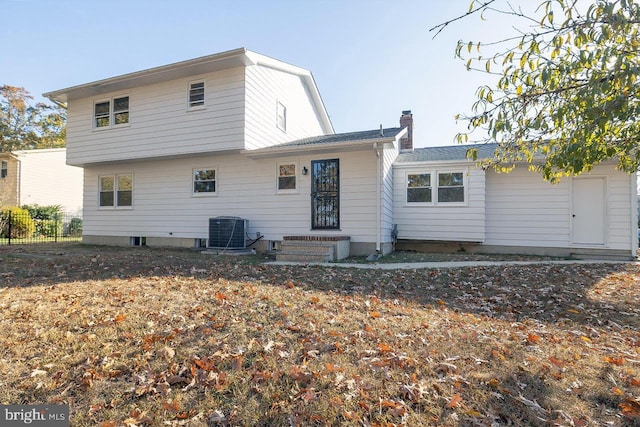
pixel 588 211
pixel 325 194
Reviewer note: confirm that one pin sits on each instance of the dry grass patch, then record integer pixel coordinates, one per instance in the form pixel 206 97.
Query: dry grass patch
pixel 161 337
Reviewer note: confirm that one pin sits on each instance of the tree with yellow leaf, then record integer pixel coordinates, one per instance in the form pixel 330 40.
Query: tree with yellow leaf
pixel 567 95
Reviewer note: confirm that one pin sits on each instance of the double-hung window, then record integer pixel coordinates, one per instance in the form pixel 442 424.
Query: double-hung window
pixel 436 187
pixel 4 170
pixel 286 177
pixel 204 181
pixel 451 187
pixel 111 112
pixel 196 95
pixel 419 188
pixel 116 191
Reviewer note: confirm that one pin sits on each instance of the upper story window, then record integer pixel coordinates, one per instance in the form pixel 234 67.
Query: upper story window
pixel 196 95
pixel 281 116
pixel 116 191
pixel 419 188
pixel 4 170
pixel 286 176
pixel 204 181
pixel 436 187
pixel 111 112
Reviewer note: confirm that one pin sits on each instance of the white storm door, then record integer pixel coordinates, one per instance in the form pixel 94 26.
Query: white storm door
pixel 588 211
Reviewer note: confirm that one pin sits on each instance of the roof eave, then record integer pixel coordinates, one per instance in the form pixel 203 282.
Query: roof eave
pixel 316 148
pixel 223 60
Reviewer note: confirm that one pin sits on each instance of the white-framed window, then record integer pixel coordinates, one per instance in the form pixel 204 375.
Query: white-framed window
pixel 116 191
pixel 437 187
pixel 287 177
pixel 281 116
pixel 4 170
pixel 205 181
pixel 196 95
pixel 451 187
pixel 111 112
pixel 419 188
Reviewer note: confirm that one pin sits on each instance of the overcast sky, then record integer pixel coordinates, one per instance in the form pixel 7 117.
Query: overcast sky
pixel 370 59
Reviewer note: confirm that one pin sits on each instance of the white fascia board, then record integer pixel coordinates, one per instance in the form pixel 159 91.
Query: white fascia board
pixel 218 61
pixel 314 148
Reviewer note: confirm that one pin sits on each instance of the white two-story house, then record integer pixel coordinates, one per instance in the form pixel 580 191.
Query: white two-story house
pixel 178 154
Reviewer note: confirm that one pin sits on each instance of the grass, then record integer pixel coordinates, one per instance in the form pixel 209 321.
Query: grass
pixel 138 336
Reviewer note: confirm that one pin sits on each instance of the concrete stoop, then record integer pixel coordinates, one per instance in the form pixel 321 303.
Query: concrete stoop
pixel 313 249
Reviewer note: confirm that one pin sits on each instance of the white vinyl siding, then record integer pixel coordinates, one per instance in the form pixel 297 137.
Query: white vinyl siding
pixel 159 124
pixel 45 179
pixel 245 191
pixel 266 89
pixel 524 210
pixel 440 221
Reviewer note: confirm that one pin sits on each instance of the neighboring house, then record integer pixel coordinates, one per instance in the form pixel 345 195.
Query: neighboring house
pixel 167 151
pixel 40 177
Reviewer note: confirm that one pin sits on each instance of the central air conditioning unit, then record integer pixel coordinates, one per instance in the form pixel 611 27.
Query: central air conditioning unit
pixel 227 232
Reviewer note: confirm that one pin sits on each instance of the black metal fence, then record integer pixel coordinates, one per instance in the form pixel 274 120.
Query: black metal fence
pixel 22 228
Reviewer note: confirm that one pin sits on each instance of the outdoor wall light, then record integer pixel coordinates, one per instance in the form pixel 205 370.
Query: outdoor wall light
pixel 305 170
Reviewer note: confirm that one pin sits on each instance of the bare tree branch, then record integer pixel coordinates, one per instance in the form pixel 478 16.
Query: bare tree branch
pixel 443 25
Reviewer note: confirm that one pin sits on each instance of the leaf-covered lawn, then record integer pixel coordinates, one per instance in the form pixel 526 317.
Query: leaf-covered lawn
pixel 135 336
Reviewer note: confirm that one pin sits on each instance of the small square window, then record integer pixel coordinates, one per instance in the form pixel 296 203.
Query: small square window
pixel 116 191
pixel 204 181
pixel 111 112
pixel 286 176
pixel 281 116
pixel 196 94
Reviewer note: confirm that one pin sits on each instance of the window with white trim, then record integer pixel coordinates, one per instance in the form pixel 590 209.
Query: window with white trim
pixel 111 112
pixel 281 116
pixel 196 95
pixel 204 181
pixel 116 191
pixel 286 177
pixel 419 188
pixel 450 187
pixel 436 187
pixel 4 170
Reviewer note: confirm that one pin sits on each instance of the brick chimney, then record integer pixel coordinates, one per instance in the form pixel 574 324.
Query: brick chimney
pixel 406 121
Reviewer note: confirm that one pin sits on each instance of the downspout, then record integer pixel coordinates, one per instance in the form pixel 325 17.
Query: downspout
pixel 378 198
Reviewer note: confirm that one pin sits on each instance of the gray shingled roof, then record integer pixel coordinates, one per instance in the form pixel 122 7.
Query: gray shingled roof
pixel 446 153
pixel 343 137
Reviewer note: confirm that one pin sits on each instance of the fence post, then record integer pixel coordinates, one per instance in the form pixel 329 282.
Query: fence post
pixel 10 221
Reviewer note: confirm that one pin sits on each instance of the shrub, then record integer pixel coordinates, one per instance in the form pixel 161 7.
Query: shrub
pixel 48 227
pixel 18 221
pixel 44 212
pixel 74 229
